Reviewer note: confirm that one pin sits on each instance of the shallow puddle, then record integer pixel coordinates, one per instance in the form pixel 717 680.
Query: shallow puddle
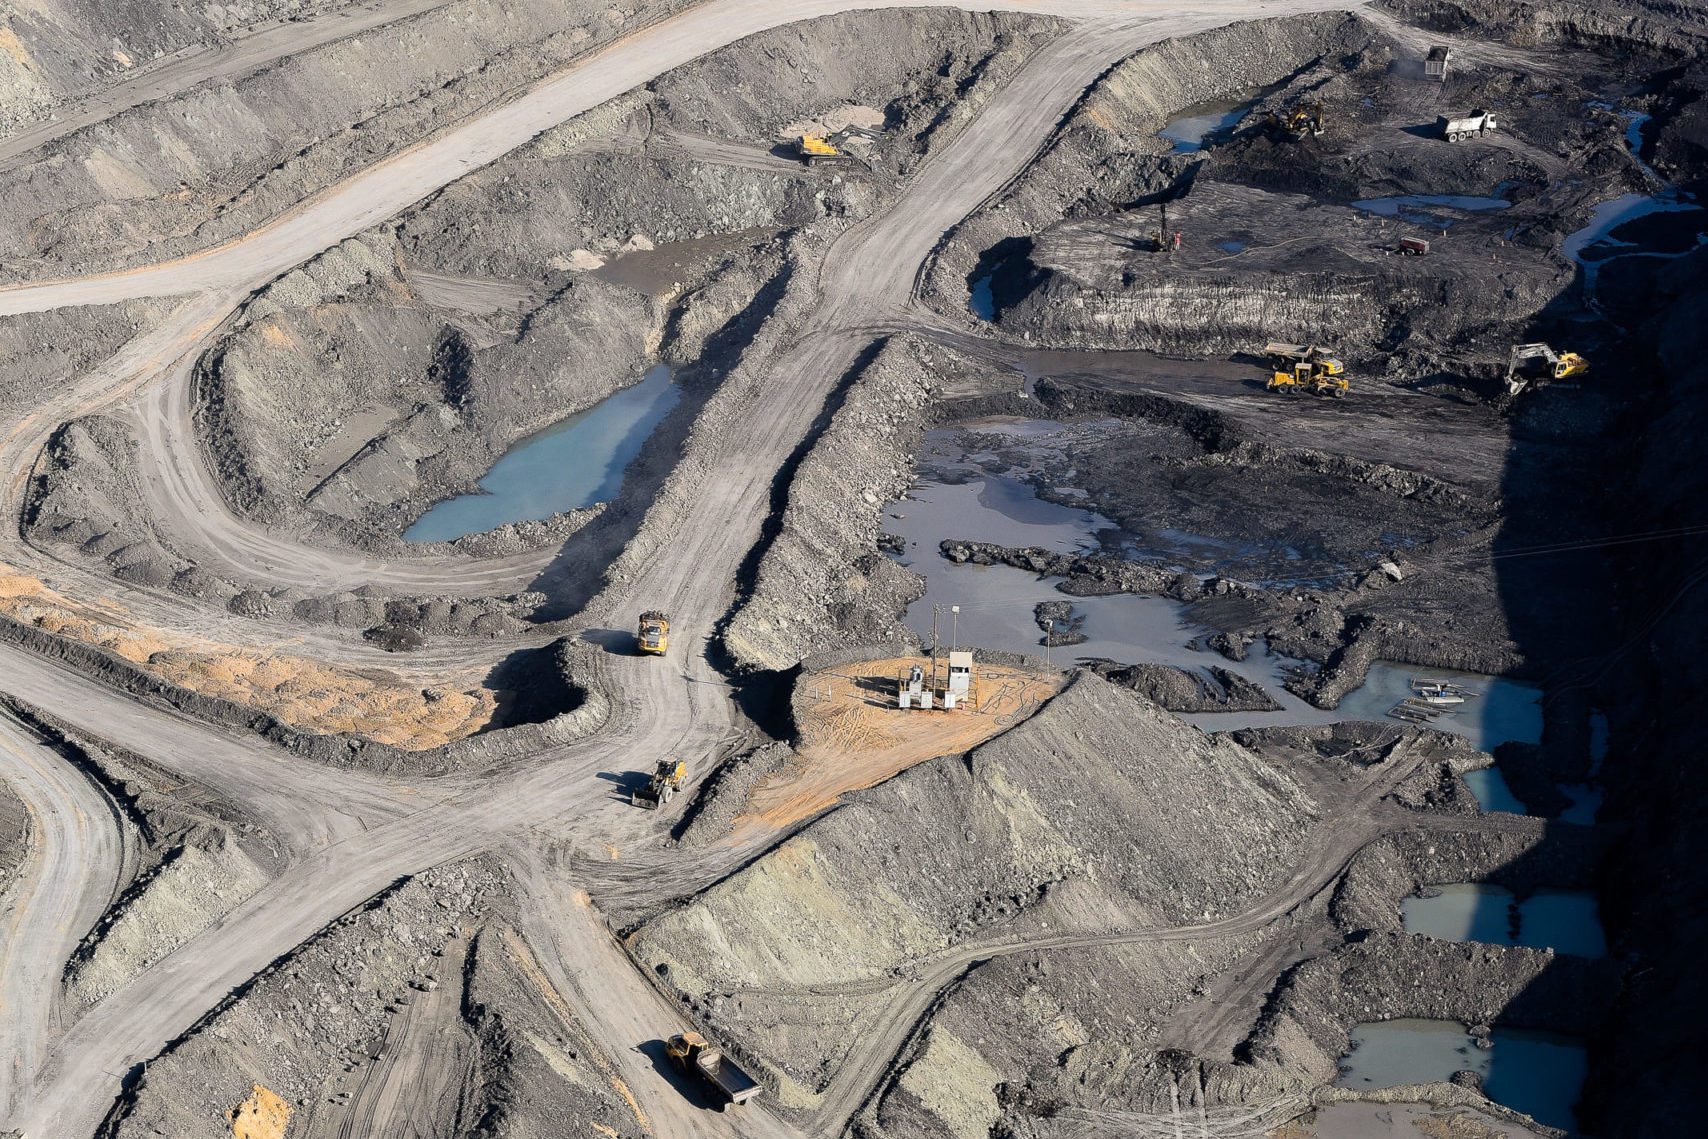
pixel 1538 1073
pixel 1566 921
pixel 1188 132
pixel 983 302
pixel 573 463
pixel 1413 207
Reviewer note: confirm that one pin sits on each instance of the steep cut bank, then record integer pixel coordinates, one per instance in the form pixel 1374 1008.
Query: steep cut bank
pixel 1070 821
pixel 1655 894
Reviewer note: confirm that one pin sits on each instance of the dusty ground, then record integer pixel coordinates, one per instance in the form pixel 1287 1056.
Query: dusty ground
pixel 851 735
pixel 1066 914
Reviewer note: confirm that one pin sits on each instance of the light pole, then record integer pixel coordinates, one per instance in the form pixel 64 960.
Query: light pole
pixel 954 628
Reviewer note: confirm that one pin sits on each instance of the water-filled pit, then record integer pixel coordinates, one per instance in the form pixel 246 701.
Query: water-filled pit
pixel 1415 207
pixel 1194 125
pixel 574 463
pixel 1538 1073
pixel 983 302
pixel 1566 921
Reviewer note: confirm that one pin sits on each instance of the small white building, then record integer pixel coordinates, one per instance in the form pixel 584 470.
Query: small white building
pixel 960 686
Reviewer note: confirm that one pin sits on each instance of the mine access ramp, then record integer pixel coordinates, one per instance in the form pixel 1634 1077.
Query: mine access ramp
pixel 695 1057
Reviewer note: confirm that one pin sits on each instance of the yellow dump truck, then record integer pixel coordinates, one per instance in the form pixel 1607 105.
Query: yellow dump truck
pixel 653 633
pixel 696 1057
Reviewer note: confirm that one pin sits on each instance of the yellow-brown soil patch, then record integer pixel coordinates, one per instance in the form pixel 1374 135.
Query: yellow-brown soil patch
pixel 262 1116
pixel 301 692
pixel 853 735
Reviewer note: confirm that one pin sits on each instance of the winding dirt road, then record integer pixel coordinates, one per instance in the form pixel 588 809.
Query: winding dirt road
pixel 72 874
pixel 350 835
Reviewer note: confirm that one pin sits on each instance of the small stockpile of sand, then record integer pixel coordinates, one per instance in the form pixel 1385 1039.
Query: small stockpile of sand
pixel 262 1116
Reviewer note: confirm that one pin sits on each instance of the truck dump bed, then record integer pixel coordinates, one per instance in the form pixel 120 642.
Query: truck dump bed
pixel 736 1084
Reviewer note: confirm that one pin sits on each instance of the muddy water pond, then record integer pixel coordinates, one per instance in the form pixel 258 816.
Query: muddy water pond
pixel 1565 921
pixel 983 301
pixel 1416 207
pixel 574 463
pixel 1538 1073
pixel 997 602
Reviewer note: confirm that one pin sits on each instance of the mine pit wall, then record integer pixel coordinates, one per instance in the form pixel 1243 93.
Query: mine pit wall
pixel 342 333
pixel 822 580
pixel 1367 897
pixel 1107 154
pixel 14 835
pixel 1645 1074
pixel 1387 976
pixel 1209 316
pixel 213 162
pixel 1203 314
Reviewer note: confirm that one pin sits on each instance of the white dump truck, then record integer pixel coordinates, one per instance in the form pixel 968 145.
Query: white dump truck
pixel 1456 127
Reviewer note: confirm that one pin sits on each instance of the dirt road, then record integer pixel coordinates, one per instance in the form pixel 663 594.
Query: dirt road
pixel 379 830
pixel 72 875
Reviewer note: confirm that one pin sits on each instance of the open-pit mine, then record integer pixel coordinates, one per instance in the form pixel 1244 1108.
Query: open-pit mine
pixel 852 569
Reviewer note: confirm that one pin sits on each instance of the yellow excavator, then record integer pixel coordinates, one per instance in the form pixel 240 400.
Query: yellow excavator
pixel 1297 121
pixel 817 151
pixel 1559 365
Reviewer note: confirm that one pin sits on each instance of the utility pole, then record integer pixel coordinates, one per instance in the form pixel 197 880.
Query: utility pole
pixel 935 609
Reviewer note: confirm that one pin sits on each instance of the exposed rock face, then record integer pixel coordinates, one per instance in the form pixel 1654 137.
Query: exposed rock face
pixel 822 583
pixel 1072 813
pixel 1107 154
pixel 1180 690
pixel 427 986
pixel 199 882
pixel 14 835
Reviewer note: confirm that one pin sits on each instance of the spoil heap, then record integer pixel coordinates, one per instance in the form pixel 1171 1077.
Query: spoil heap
pixel 1101 813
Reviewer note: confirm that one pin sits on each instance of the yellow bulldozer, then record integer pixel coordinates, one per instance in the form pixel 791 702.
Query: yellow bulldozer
pixel 1304 368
